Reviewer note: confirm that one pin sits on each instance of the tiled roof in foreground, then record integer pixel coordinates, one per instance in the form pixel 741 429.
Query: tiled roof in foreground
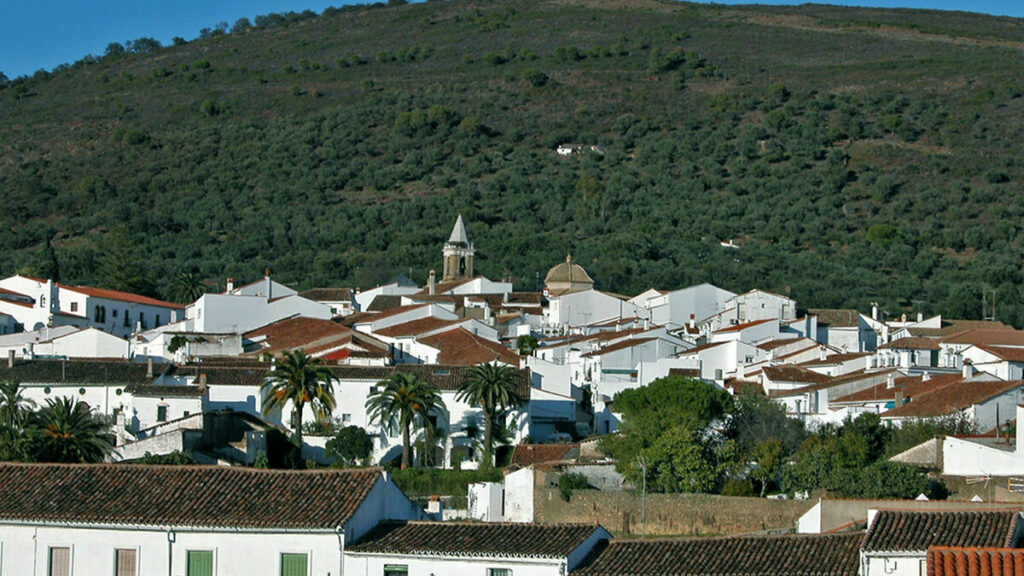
pixel 199 496
pixel 944 561
pixel 475 539
pixel 798 555
pixel 902 530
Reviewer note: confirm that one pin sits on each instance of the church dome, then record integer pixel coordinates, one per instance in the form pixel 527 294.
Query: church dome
pixel 568 277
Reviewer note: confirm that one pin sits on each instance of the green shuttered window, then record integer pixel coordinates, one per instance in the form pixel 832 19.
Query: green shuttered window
pixel 294 564
pixel 200 563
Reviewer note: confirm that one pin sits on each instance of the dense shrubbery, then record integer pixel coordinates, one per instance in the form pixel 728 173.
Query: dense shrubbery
pixel 846 174
pixel 693 437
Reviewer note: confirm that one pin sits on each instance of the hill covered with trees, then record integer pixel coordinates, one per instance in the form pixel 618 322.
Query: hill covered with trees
pixel 854 155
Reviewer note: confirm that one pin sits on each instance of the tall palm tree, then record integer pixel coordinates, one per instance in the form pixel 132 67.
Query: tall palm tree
pixel 15 410
pixel 494 388
pixel 67 431
pixel 399 400
pixel 303 380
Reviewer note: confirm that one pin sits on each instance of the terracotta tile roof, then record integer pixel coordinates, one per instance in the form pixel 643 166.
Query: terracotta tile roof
pixel 903 530
pixel 385 303
pixel 861 374
pixel 745 387
pixel 947 561
pixel 327 294
pixel 460 347
pixel 1004 353
pixel 836 317
pixel 204 496
pixel 990 337
pixel 23 304
pixel 11 293
pixel 442 287
pixel 112 372
pixel 740 327
pixel 836 359
pixel 792 373
pixel 529 454
pixel 796 555
pixel 415 327
pixel 475 539
pixel 911 343
pixel 684 372
pixel 911 385
pixel 628 343
pixel 701 348
pixel 773 344
pixel 952 398
pixel 445 377
pixel 310 334
pixel 954 326
pixel 394 311
pixel 795 353
pixel 120 296
pixel 169 391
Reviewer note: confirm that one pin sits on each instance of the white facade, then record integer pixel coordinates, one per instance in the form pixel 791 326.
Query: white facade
pixel 231 313
pixel 681 307
pixel 26 546
pixel 577 309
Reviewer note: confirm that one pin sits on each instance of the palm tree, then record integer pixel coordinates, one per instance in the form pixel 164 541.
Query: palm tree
pixel 67 431
pixel 494 389
pixel 399 400
pixel 15 410
pixel 303 380
pixel 188 287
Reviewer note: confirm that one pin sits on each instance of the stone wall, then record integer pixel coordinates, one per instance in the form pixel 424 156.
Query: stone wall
pixel 669 514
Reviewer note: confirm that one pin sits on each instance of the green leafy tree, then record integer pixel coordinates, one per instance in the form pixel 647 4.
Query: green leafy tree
pixel 350 445
pixel 667 424
pixel 15 411
pixel 120 264
pixel 188 286
pixel 399 400
pixel 67 431
pixel 300 379
pixel 494 388
pixel 769 455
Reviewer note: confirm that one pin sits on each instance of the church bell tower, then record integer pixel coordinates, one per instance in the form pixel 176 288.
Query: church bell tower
pixel 458 254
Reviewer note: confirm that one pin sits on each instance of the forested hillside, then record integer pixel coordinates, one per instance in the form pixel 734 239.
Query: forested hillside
pixel 854 154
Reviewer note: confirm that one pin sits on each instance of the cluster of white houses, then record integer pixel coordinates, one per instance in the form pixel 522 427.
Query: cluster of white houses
pixel 131 520
pixel 158 365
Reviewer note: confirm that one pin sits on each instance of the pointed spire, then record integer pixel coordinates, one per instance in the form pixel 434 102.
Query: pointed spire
pixel 459 233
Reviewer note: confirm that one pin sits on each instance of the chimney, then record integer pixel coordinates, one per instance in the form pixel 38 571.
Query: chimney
pixel 968 370
pixel 874 310
pixel 647 324
pixel 890 381
pixel 149 367
pixel 693 321
pixel 202 379
pixel 10 358
pixel 822 354
pixel 31 351
pixel 269 289
pixel 920 316
pixel 230 285
pixel 432 283
pixel 898 398
pixel 925 376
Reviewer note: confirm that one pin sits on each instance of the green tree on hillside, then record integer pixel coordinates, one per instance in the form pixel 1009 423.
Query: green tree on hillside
pixel 400 401
pixel 494 388
pixel 300 379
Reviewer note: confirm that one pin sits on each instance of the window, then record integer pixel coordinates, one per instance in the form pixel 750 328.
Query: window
pixel 346 417
pixel 294 564
pixel 161 413
pixel 60 561
pixel 199 563
pixel 396 570
pixel 74 306
pixel 127 320
pixel 499 572
pixel 156 321
pixel 112 312
pixel 125 562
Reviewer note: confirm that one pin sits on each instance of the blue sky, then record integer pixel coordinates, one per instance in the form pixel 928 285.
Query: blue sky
pixel 38 34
